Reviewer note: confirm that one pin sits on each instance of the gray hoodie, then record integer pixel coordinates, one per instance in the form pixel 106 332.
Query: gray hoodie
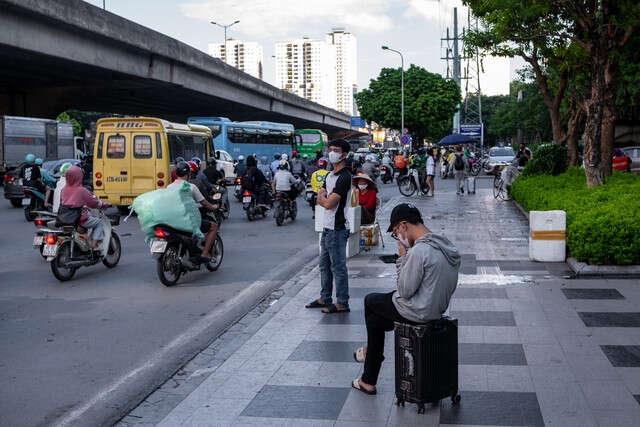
pixel 427 277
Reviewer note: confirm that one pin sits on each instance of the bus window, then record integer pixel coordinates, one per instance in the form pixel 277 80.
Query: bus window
pixel 158 146
pixel 116 147
pixel 215 130
pixel 185 146
pixel 142 146
pixel 309 138
pixel 100 141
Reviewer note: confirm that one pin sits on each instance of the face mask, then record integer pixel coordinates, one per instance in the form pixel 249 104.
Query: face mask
pixel 362 186
pixel 335 157
pixel 404 241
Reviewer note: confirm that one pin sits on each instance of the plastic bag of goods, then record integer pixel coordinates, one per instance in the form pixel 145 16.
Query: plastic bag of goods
pixel 368 235
pixel 169 206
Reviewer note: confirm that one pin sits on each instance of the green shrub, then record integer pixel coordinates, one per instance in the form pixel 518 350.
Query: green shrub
pixel 603 223
pixel 547 159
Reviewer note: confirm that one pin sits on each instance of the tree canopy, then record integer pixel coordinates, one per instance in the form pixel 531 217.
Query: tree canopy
pixel 429 102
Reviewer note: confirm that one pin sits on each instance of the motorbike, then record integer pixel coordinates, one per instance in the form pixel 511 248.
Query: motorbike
pixel 237 191
pixel 444 169
pixel 474 166
pixel 386 175
pixel 250 205
pixel 67 247
pixel 284 208
pixel 411 183
pixel 220 197
pixel 33 201
pixel 44 221
pixel 173 250
pixel 310 196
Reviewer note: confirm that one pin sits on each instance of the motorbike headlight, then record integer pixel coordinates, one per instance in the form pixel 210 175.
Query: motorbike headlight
pixel 217 196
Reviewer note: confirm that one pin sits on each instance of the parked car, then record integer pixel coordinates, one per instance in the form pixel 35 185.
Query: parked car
pixel 225 164
pixel 634 153
pixel 499 158
pixel 621 161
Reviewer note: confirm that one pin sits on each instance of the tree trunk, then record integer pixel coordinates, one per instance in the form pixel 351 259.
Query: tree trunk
pixel 609 115
pixel 573 126
pixel 593 127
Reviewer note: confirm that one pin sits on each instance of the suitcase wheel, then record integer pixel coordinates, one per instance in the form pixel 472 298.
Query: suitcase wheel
pixel 455 399
pixel 421 408
pixel 400 402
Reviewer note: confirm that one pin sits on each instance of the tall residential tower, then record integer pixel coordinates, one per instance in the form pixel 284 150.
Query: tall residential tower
pixel 346 67
pixel 245 56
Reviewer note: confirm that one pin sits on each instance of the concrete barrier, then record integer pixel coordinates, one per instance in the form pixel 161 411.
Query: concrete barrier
pixel 547 236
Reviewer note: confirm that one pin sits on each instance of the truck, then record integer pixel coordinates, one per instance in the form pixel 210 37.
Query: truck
pixel 48 139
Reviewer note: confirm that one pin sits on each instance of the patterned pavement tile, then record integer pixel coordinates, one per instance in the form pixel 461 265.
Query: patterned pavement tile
pixel 623 356
pixel 493 408
pixel 591 293
pixel 606 319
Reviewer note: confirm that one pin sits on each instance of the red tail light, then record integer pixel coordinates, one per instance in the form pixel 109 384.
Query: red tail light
pixel 98 175
pixel 246 194
pixel 278 195
pixel 98 183
pixel 159 232
pixel 8 178
pixel 38 222
pixel 160 175
pixel 160 183
pixel 50 239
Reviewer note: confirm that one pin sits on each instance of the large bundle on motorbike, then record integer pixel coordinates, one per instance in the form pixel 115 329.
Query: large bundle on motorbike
pixel 170 206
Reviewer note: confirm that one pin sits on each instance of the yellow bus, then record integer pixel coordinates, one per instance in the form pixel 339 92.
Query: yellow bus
pixel 134 155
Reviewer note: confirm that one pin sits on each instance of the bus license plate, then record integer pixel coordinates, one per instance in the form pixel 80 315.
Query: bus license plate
pixel 246 199
pixel 158 246
pixel 50 250
pixel 37 240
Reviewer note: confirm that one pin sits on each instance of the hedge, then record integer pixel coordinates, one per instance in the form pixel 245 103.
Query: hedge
pixel 603 223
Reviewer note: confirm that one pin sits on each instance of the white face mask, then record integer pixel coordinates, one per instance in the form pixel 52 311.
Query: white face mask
pixel 362 186
pixel 335 157
pixel 404 241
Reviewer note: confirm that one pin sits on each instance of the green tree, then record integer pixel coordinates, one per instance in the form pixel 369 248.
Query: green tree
pixel 65 117
pixel 430 102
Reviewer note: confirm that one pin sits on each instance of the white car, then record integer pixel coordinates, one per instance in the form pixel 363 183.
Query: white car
pixel 500 157
pixel 224 163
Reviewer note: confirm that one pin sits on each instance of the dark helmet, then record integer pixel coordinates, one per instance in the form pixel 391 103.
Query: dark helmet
pixel 179 159
pixel 276 156
pixel 182 169
pixel 211 161
pixel 322 163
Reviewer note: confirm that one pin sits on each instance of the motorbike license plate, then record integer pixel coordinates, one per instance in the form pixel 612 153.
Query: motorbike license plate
pixel 50 250
pixel 158 246
pixel 26 201
pixel 37 240
pixel 246 199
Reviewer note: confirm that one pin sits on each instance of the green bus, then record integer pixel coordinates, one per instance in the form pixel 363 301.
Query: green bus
pixel 310 141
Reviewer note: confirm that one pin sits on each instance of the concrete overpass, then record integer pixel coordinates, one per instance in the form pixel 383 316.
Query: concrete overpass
pixel 63 54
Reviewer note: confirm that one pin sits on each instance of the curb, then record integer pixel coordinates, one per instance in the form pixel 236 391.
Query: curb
pixel 124 394
pixel 584 269
pixel 521 209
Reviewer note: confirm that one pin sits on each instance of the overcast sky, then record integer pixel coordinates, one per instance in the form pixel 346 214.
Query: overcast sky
pixel 412 26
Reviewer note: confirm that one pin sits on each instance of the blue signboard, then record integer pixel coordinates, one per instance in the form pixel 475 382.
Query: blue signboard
pixel 357 122
pixel 472 130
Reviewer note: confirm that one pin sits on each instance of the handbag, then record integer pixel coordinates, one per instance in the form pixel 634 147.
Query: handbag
pixel 68 216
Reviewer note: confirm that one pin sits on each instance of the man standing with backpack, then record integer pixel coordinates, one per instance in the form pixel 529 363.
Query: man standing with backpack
pixel 459 163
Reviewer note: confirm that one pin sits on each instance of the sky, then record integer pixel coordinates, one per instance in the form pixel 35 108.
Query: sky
pixel 413 27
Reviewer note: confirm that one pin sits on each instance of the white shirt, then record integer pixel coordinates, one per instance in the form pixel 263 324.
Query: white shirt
pixel 284 179
pixel 431 166
pixel 57 193
pixel 195 193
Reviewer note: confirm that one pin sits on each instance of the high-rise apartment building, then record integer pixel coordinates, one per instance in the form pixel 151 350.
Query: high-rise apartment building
pixel 245 56
pixel 346 67
pixel 307 68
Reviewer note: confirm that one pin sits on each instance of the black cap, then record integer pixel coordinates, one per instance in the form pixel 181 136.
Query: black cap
pixel 404 212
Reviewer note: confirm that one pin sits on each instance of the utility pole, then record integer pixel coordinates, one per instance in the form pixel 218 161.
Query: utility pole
pixel 225 35
pixel 453 48
pixel 401 86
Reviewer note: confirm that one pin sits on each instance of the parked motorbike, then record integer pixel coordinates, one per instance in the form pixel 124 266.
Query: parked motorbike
pixel 386 175
pixel 67 247
pixel 33 201
pixel 411 183
pixel 174 249
pixel 284 208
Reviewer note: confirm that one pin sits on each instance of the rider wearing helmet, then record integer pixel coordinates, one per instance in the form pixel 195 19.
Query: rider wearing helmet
pixel 62 181
pixel 317 180
pixel 197 161
pixel 211 173
pixel 254 181
pixel 210 228
pixel 30 174
pixel 173 170
pixel 274 164
pixel 240 166
pixel 284 181
pixel 297 166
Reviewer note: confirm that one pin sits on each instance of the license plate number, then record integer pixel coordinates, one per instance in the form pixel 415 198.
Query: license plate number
pixel 158 246
pixel 246 199
pixel 25 202
pixel 37 240
pixel 50 250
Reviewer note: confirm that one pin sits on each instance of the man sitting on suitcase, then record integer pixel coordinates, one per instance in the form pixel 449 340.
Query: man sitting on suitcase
pixel 427 276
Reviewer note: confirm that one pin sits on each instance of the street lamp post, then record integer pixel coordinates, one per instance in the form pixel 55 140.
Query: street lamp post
pixel 401 86
pixel 225 35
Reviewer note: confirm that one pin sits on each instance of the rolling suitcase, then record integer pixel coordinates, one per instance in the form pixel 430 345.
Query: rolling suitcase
pixel 426 359
pixel 471 185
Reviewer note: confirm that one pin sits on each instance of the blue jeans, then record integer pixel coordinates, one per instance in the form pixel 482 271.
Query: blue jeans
pixel 333 264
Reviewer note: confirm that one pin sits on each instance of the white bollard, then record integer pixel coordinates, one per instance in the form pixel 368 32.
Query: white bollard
pixel 547 236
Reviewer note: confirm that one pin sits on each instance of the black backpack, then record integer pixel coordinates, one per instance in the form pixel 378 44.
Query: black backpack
pixel 458 163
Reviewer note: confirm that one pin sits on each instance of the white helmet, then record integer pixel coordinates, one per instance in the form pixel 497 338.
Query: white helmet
pixel 240 157
pixel 285 157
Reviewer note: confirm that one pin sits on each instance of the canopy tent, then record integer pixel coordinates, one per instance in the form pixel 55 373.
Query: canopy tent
pixel 456 138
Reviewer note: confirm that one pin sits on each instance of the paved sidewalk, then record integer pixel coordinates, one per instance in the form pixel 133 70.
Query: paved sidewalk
pixel 536 348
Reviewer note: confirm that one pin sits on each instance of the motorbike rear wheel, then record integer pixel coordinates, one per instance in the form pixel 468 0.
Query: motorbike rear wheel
pixel 114 251
pixel 294 211
pixel 278 214
pixel 406 186
pixel 16 203
pixel 28 211
pixel 217 253
pixel 475 169
pixel 250 215
pixel 169 267
pixel 58 268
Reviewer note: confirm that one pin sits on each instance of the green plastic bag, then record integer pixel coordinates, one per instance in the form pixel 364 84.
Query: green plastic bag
pixel 174 207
